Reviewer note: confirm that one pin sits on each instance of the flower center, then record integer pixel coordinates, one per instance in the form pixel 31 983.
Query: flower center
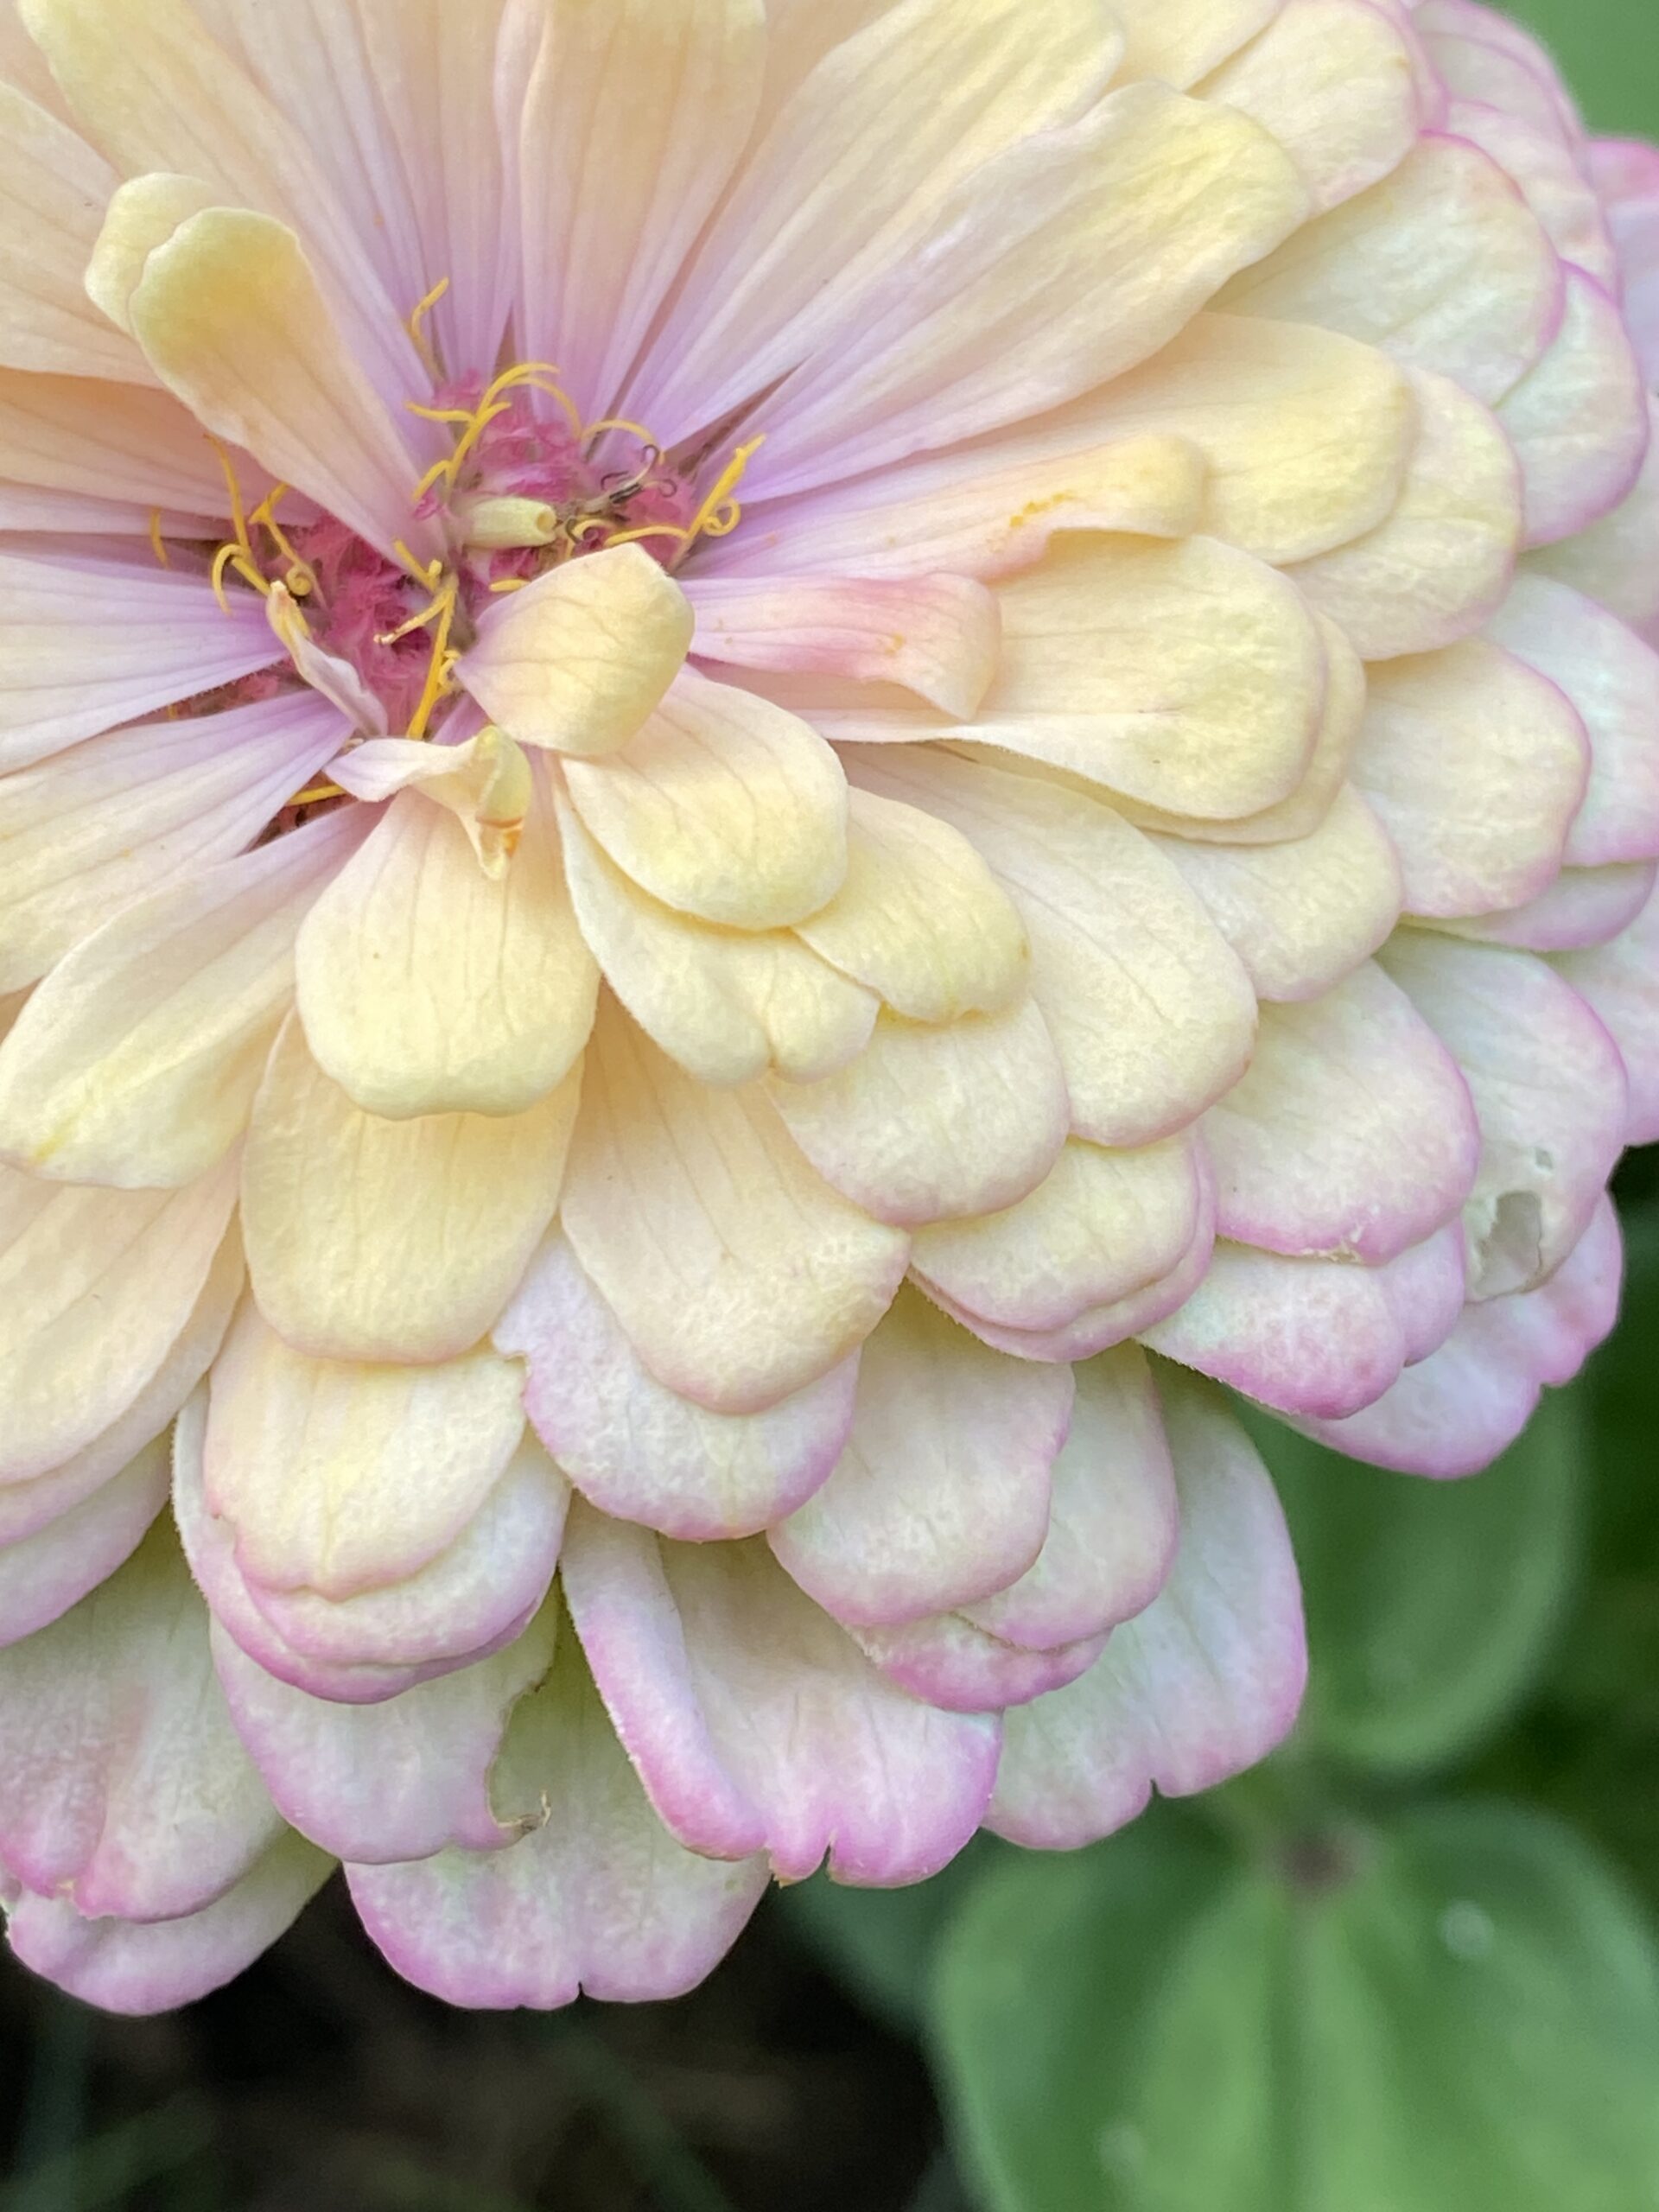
pixel 526 487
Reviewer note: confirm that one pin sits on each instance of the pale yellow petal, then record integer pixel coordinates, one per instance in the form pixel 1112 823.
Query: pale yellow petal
pixel 738 1273
pixel 426 987
pixel 1440 561
pixel 920 917
pixel 578 661
pixel 339 1478
pixel 724 806
pixel 399 1240
pixel 53 188
pixel 727 1004
pixel 1299 915
pixel 232 320
pixel 135 1061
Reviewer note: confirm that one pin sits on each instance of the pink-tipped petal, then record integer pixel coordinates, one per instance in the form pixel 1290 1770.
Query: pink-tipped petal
pixel 1203 1683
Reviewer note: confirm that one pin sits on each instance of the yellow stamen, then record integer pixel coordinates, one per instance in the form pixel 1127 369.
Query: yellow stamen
pixel 416 325
pixel 439 668
pixel 720 513
pixel 510 583
pixel 300 578
pixel 535 376
pixel 317 793
pixel 157 543
pixel 619 422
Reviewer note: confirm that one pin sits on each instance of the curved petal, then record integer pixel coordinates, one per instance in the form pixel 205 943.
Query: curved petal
pixel 1202 1684
pixel 941 1494
pixel 638 1451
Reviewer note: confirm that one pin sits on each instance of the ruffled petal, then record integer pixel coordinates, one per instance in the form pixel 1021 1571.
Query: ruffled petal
pixel 941 1494
pixel 754 1721
pixel 399 1241
pixel 637 1450
pixel 738 1273
pixel 1203 1683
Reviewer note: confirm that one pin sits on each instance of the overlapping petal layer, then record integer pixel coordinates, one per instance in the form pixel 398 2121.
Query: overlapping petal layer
pixel 668 1021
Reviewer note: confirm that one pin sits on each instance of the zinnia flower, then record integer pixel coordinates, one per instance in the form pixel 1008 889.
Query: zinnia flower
pixel 738 741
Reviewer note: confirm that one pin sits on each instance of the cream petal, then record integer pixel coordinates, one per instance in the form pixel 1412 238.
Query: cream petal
pixel 1583 906
pixel 941 1494
pixel 895 118
pixel 188 93
pixel 1306 434
pixel 945 1661
pixel 1342 709
pixel 1552 182
pixel 1333 81
pixel 937 636
pixel 1548 1089
pixel 1616 560
pixel 92 643
pixel 1105 672
pixel 1620 981
pixel 754 1720
pixel 597 1898
pixel 341 1479
pixel 88 833
pixel 399 1240
pixel 231 317
pixel 1101 1327
pixel 1476 767
pixel 1114 1522
pixel 1611 678
pixel 1180 41
pixel 1440 562
pixel 931 1124
pixel 436 71
pixel 724 806
pixel 1150 1012
pixel 1443 264
pixel 1312 1336
pixel 637 1450
pixel 984 510
pixel 1352 1134
pixel 135 1061
pixel 1154 198
pixel 141 1968
pixel 473 1598
pixel 71 434
pixel 426 987
pixel 727 1004
pixel 1099 1227
pixel 27 1506
pixel 738 1273
pixel 1300 915
pixel 52 188
pixel 1452 1413
pixel 43 1575
pixel 95 1288
pixel 127 1791
pixel 603 242
pixel 920 918
pixel 1202 1684
pixel 1579 418
pixel 579 660
pixel 486 782
pixel 396 1781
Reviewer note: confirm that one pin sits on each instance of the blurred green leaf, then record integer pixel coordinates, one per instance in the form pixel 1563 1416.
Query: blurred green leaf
pixel 105 2168
pixel 1609 53
pixel 1460 2013
pixel 881 1942
pixel 1430 1606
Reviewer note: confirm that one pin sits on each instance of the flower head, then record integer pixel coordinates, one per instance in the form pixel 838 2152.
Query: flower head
pixel 740 741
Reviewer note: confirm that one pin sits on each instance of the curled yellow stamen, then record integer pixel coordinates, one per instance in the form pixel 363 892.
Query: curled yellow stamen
pixel 619 422
pixel 300 578
pixel 416 325
pixel 533 375
pixel 316 794
pixel 158 545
